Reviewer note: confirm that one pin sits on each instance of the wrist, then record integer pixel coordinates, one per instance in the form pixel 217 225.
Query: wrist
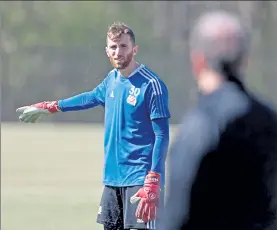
pixel 53 107
pixel 153 178
pixel 154 173
pixel 50 106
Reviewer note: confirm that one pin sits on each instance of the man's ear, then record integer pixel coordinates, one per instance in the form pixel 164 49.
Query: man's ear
pixel 106 49
pixel 135 49
pixel 198 62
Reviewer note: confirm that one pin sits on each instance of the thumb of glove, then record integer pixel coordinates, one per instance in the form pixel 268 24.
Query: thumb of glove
pixel 135 198
pixel 22 109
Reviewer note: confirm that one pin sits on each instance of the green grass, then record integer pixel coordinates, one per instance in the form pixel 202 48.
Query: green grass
pixel 51 176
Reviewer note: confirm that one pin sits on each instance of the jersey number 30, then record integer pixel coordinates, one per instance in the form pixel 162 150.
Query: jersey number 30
pixel 134 91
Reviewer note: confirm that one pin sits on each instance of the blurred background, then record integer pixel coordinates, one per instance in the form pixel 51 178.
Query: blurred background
pixel 55 49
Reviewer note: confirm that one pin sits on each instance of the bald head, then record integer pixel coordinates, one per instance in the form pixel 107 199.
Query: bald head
pixel 222 39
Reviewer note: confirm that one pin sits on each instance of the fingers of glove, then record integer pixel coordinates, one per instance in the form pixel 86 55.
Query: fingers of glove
pixel 33 110
pixel 24 117
pixel 157 203
pixel 28 118
pixel 146 213
pixel 38 119
pixel 35 118
pixel 152 212
pixel 140 209
pixel 27 113
pixel 21 109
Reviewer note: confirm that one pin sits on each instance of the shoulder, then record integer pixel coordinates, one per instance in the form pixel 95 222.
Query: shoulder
pixel 238 102
pixel 234 104
pixel 153 80
pixel 226 105
pixel 111 76
pixel 197 130
pixel 112 73
pixel 196 121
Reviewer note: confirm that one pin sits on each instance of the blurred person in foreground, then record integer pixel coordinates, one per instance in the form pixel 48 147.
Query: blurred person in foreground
pixel 222 163
pixel 136 133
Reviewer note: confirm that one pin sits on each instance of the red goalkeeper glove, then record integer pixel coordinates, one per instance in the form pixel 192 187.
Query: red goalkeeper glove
pixel 32 113
pixel 148 197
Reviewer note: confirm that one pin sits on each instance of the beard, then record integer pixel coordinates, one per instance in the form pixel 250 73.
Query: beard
pixel 123 63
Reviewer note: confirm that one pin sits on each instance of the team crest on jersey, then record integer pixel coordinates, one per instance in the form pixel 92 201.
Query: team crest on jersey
pixel 133 93
pixel 132 100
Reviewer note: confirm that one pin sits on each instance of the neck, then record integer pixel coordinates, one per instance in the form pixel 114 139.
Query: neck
pixel 209 82
pixel 129 69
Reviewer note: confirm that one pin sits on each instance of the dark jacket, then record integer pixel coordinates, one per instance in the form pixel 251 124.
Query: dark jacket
pixel 222 165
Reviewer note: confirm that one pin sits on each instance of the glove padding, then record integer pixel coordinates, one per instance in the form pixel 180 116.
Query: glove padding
pixel 32 113
pixel 148 197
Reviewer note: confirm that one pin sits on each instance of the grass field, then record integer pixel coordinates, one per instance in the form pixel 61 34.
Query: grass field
pixel 51 176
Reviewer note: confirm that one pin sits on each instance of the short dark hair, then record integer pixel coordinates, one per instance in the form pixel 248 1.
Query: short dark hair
pixel 117 29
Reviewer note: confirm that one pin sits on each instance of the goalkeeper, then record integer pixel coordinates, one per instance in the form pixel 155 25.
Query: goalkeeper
pixel 136 134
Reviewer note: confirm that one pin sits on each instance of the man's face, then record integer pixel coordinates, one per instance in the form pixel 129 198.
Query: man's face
pixel 121 51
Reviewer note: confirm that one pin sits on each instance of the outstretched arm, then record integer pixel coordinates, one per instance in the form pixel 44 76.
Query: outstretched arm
pixel 32 113
pixel 84 101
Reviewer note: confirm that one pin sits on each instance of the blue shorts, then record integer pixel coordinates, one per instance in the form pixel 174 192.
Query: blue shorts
pixel 116 210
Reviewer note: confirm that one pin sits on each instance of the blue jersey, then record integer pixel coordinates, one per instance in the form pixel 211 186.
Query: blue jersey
pixel 130 106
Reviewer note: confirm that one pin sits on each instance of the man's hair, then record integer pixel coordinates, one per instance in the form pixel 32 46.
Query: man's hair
pixel 117 29
pixel 222 48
